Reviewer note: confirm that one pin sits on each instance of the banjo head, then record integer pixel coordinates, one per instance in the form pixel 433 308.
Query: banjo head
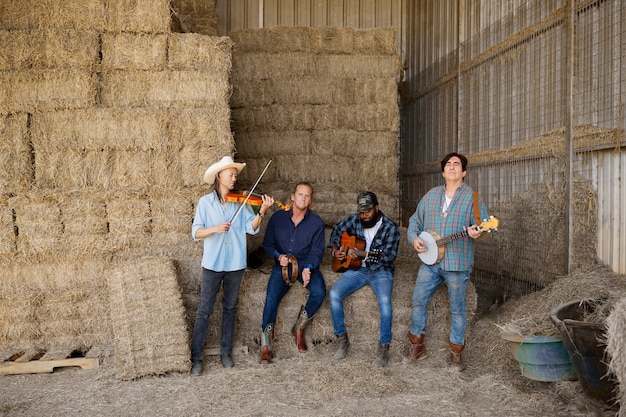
pixel 431 256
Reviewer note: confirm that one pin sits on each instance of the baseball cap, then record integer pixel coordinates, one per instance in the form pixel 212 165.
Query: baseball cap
pixel 366 201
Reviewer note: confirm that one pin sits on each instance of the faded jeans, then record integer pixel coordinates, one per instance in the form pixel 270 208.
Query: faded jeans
pixel 211 282
pixel 276 290
pixel 352 280
pixel 429 278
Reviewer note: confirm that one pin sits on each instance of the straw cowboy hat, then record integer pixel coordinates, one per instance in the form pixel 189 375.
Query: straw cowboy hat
pixel 225 162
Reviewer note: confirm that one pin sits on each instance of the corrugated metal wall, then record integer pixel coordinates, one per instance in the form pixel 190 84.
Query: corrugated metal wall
pixel 487 78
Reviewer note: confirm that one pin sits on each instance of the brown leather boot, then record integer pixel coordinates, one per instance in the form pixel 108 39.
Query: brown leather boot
pixel 456 361
pixel 267 338
pixel 417 351
pixel 298 329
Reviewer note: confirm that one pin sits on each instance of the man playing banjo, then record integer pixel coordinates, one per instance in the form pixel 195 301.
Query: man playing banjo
pixel 445 210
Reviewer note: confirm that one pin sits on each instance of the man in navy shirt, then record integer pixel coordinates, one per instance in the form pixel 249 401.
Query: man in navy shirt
pixel 381 235
pixel 295 240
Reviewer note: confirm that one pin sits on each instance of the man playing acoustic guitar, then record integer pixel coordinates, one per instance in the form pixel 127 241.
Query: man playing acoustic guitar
pixel 380 238
pixel 445 210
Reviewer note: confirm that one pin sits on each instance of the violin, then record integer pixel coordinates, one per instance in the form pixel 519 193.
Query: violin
pixel 253 199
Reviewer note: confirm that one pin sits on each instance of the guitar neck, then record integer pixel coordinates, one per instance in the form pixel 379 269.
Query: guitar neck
pixel 445 240
pixel 359 253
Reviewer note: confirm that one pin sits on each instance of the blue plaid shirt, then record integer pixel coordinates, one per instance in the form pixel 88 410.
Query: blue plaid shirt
pixel 458 254
pixel 386 240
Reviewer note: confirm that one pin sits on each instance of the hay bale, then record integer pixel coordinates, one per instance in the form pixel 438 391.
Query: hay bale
pixel 195 16
pixel 8 245
pixel 148 318
pixel 191 51
pixel 148 16
pixel 164 89
pixel 131 51
pixel 204 135
pixel 67 310
pixel 172 212
pixel 299 64
pixel 15 154
pixel 98 129
pixel 361 118
pixel 40 90
pixel 38 220
pixel 23 50
pixel 616 348
pixel 85 224
pixel 128 214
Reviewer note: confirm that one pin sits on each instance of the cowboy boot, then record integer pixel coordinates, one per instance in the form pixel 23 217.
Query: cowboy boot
pixel 298 329
pixel 343 344
pixel 267 338
pixel 417 351
pixel 456 361
pixel 383 355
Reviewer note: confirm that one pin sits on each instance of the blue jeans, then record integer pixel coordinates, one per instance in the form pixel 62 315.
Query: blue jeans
pixel 429 278
pixel 211 282
pixel 276 290
pixel 352 280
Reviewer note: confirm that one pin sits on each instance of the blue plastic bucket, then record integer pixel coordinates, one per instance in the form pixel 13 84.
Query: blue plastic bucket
pixel 544 358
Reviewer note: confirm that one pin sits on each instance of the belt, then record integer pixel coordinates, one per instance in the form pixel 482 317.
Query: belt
pixel 290 279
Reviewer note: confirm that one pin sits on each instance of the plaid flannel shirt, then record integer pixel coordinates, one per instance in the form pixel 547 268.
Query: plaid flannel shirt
pixel 459 254
pixel 386 240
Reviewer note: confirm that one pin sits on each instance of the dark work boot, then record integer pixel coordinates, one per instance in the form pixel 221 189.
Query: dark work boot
pixel 383 355
pixel 343 344
pixel 196 368
pixel 227 361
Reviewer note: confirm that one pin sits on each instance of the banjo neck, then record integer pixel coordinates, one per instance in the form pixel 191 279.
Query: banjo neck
pixel 445 240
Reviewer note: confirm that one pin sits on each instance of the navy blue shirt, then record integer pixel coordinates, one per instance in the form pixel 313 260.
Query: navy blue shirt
pixel 304 241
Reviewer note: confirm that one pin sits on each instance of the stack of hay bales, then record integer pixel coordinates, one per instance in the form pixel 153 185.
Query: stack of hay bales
pixel 107 124
pixel 322 103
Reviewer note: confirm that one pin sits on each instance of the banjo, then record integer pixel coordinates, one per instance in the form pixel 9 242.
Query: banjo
pixel 435 244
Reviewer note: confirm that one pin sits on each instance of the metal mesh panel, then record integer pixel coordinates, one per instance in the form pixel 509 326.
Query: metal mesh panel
pixel 512 120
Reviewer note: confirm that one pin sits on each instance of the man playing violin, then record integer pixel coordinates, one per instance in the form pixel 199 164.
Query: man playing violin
pixel 223 226
pixel 382 236
pixel 295 239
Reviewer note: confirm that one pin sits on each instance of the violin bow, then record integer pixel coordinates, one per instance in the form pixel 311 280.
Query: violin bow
pixel 250 192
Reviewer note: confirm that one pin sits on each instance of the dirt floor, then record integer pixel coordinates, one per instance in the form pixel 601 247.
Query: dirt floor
pixel 309 384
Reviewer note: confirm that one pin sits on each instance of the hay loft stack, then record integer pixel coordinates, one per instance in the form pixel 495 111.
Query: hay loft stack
pixel 107 123
pixel 322 103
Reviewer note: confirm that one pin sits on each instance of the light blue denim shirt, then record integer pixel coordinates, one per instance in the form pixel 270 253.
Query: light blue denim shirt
pixel 223 251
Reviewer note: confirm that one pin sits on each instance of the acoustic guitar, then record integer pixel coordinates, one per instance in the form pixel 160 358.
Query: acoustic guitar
pixel 435 244
pixel 353 245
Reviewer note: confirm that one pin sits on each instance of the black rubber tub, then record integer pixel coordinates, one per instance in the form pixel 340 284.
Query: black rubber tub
pixel 585 345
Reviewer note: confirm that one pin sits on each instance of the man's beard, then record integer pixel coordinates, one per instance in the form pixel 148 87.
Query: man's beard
pixel 371 223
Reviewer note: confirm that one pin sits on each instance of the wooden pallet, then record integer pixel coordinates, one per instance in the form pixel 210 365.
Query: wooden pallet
pixel 35 361
pixel 212 351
